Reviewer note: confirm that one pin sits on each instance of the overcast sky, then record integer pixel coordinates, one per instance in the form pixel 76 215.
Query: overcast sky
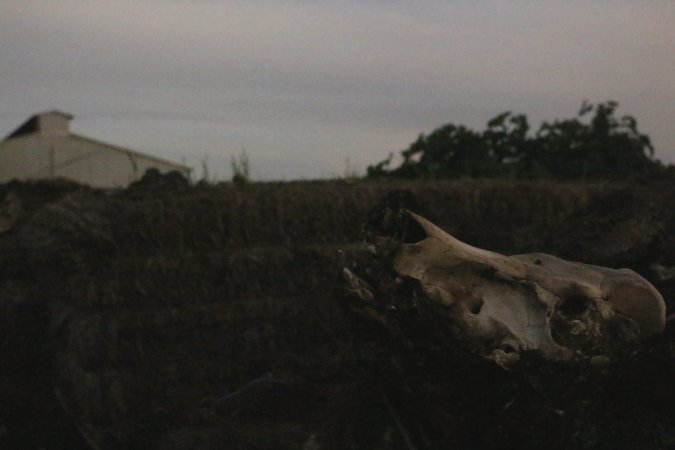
pixel 304 86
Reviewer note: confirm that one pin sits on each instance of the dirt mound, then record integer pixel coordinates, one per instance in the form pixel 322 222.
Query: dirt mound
pixel 627 226
pixel 177 316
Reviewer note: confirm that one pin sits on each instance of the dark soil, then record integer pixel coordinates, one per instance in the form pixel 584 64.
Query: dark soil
pixel 173 316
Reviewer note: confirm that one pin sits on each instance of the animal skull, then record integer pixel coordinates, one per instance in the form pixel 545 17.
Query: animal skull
pixel 509 304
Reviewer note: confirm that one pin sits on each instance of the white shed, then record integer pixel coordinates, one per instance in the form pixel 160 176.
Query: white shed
pixel 44 147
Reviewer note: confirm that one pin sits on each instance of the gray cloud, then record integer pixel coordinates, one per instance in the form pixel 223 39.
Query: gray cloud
pixel 302 86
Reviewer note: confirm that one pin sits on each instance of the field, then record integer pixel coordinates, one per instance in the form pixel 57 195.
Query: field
pixel 173 316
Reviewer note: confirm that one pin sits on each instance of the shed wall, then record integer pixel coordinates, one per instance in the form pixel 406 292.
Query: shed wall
pixel 24 157
pixel 80 159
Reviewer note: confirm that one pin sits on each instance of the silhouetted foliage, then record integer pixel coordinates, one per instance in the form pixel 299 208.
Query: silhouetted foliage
pixel 577 148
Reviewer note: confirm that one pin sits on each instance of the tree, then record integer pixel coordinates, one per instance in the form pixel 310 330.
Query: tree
pixel 567 149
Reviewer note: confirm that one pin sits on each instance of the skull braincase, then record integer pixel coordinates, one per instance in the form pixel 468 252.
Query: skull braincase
pixel 531 301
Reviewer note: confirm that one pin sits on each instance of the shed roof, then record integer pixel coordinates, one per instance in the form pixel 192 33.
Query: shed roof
pixel 127 151
pixel 32 125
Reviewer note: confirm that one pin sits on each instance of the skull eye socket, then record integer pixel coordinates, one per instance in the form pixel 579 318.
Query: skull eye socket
pixel 476 307
pixel 574 305
pixel 508 348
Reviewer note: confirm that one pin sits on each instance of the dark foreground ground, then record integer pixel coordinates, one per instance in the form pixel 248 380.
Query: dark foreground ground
pixel 178 317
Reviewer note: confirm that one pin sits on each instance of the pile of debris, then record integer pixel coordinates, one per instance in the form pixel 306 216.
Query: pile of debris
pixel 174 316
